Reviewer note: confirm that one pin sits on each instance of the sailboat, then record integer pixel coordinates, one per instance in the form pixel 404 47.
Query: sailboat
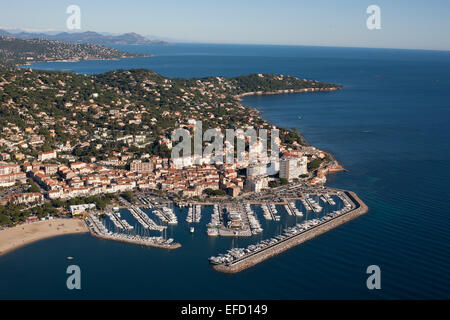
pixel 299 117
pixel 191 229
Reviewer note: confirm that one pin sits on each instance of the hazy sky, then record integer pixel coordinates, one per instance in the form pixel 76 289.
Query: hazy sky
pixel 404 24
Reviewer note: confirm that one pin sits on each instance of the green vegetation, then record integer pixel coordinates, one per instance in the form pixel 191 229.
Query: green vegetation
pixel 128 195
pixel 44 210
pixel 292 137
pixel 278 183
pixel 33 187
pixel 264 83
pixel 12 214
pixel 131 103
pixel 15 51
pixel 58 203
pixel 100 201
pixel 211 192
pixel 314 165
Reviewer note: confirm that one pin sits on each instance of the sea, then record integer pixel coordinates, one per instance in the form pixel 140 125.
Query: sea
pixel 389 127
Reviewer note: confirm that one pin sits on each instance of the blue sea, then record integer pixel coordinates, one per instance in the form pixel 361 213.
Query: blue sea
pixel 390 128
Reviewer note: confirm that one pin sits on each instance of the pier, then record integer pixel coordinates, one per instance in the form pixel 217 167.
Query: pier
pixel 118 222
pixel 214 224
pixel 237 222
pixel 144 220
pixel 253 221
pixel 98 230
pixel 274 212
pixel 355 207
pixel 312 204
pixel 194 213
pixel 166 214
pixel 292 210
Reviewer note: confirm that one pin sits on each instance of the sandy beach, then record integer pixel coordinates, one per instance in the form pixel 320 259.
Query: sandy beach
pixel 23 234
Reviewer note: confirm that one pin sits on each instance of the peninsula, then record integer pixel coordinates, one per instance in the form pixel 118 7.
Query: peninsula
pixel 79 145
pixel 14 52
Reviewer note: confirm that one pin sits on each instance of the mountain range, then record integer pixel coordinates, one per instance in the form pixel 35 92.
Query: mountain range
pixel 86 37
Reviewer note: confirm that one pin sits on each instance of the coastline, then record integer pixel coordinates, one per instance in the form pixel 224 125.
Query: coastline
pixel 284 91
pixel 26 233
pixel 241 96
pixel 29 63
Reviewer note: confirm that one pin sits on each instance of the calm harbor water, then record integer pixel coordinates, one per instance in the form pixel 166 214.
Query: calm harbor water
pixel 389 127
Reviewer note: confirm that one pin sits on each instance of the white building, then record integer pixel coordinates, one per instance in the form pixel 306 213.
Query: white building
pixel 256 169
pixel 293 167
pixel 47 155
pixel 80 209
pixel 256 184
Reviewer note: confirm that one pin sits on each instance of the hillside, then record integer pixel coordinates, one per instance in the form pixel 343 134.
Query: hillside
pixel 86 37
pixel 42 109
pixel 16 51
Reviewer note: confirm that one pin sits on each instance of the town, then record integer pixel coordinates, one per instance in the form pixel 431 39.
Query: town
pixel 103 152
pixel 103 135
pixel 101 149
pixel 77 179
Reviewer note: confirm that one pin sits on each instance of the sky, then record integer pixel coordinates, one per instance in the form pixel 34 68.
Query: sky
pixel 405 24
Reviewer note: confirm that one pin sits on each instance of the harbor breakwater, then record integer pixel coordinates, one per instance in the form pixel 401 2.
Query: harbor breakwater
pixel 95 228
pixel 171 246
pixel 359 209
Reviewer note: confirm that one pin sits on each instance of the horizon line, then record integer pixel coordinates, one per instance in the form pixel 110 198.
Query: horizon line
pixel 307 45
pixel 180 41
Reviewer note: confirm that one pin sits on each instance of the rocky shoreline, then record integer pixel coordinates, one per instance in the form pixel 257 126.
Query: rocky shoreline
pixel 304 90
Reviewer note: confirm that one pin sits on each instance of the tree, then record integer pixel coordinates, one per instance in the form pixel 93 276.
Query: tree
pixel 315 164
pixel 211 192
pixel 274 184
pixel 57 203
pixel 33 187
pixel 128 195
pixel 4 219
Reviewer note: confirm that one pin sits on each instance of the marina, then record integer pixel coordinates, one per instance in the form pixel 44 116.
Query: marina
pixel 292 210
pixel 272 211
pixel 312 204
pixel 144 220
pixel 235 221
pixel 267 212
pixel 255 226
pixel 385 172
pixel 238 218
pixel 118 222
pixel 238 259
pixel 214 224
pixel 166 214
pixel 146 202
pixel 194 213
pixel 98 230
